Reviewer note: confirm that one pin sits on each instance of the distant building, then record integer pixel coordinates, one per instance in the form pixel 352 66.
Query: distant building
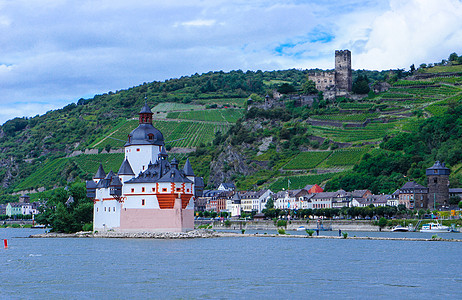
pixel 337 82
pixel 438 185
pixel 227 187
pixel 413 195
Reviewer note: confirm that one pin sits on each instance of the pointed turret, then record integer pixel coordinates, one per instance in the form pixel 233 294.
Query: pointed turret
pixel 174 163
pixel 163 153
pixel 126 169
pixel 145 115
pixel 100 174
pixel 188 170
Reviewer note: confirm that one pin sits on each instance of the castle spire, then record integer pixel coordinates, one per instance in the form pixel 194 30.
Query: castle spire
pixel 145 115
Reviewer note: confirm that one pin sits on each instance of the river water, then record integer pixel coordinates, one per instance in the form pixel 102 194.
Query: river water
pixel 228 268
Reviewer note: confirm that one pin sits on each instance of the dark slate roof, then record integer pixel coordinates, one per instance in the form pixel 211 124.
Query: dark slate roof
pixel 115 181
pixel 228 185
pixel 236 198
pixel 90 184
pixel 161 171
pixel 145 109
pixel 126 169
pixel 100 173
pixel 141 136
pixel 188 170
pixel 198 182
pixel 438 169
pixel 412 185
pixel 174 175
pixel 358 193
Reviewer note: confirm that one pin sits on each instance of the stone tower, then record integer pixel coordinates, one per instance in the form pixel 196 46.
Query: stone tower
pixel 343 77
pixel 438 185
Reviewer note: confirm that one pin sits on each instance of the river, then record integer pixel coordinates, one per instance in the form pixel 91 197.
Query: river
pixel 227 268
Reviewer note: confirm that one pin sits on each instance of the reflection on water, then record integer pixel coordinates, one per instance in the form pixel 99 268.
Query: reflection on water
pixel 246 267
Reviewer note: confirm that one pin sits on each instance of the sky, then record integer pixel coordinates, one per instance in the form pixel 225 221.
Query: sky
pixel 54 52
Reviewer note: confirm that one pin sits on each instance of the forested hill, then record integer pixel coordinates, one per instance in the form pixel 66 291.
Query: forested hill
pixel 254 148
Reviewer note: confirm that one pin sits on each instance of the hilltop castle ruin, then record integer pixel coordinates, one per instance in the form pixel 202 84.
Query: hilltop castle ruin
pixel 337 82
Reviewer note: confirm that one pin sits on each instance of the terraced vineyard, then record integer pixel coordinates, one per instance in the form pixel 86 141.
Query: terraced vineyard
pixel 194 133
pixel 298 182
pixel 89 163
pixel 50 174
pixel 171 106
pixel 345 157
pixel 372 132
pixel 347 117
pixel 212 115
pixel 307 160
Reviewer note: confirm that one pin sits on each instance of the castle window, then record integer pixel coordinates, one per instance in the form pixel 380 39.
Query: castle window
pixel 113 209
pixel 142 202
pixel 142 189
pixel 97 209
pixel 137 149
pixel 109 209
pixel 153 189
pixel 178 189
pixel 187 190
pixel 150 136
pixel 164 190
pixel 435 180
pixel 435 171
pixel 133 190
pixel 105 209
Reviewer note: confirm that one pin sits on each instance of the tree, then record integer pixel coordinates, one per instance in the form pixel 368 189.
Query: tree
pixel 453 57
pixel 382 222
pixel 286 88
pixel 412 68
pixel 460 204
pixel 269 203
pixel 361 85
pixel 309 87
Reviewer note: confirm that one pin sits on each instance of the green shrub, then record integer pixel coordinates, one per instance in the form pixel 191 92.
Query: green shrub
pixel 345 235
pixel 310 232
pixel 282 223
pixel 281 231
pixel 87 227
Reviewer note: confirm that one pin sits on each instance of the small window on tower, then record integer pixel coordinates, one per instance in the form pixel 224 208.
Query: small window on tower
pixel 153 189
pixel 142 202
pixel 137 149
pixel 164 190
pixel 178 189
pixel 435 180
pixel 133 190
pixel 142 189
pixel 150 136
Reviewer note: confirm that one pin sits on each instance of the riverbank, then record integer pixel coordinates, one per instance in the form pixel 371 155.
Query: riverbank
pixel 217 234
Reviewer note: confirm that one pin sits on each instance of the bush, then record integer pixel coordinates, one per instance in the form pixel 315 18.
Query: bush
pixel 345 235
pixel 281 231
pixel 310 232
pixel 281 223
pixel 382 222
pixel 87 227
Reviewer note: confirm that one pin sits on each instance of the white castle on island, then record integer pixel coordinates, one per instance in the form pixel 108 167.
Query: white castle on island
pixel 159 199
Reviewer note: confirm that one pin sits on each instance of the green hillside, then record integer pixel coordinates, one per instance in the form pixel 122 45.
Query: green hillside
pixel 209 112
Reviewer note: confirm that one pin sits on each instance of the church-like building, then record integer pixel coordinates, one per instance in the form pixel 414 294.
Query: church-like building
pixel 149 193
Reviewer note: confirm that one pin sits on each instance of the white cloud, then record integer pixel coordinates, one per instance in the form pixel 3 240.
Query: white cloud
pixel 198 22
pixel 55 52
pixel 409 32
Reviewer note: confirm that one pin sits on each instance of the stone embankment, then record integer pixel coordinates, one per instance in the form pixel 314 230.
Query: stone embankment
pixel 215 234
pixel 137 235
